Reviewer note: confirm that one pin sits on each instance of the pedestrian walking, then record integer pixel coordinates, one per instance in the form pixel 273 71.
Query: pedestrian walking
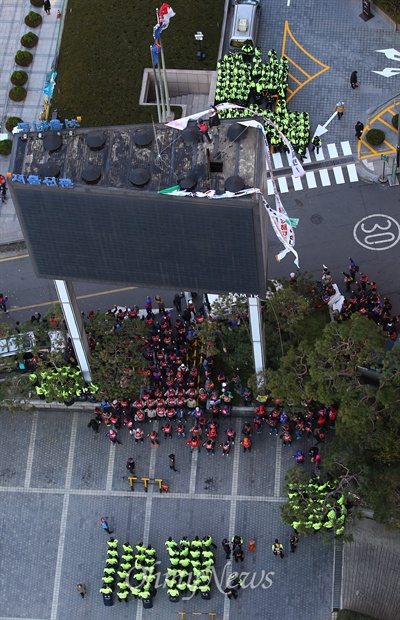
pixel 130 466
pixel 238 554
pixel 354 80
pixel 316 143
pixel 340 108
pixel 227 548
pixel 230 592
pixel 104 524
pixel 293 540
pixel 237 541
pixel 112 435
pixel 226 446
pixel 3 301
pixel 172 463
pixel 81 589
pixel 167 430
pixel 277 549
pixel 177 301
pixel 246 443
pixel 139 435
pixel 209 445
pixel 153 436
pixel 359 128
pixel 94 425
pixel 3 191
pixel 47 7
pixel 194 443
pixel 160 303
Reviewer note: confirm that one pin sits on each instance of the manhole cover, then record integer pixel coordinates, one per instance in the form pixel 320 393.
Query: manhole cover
pixel 316 219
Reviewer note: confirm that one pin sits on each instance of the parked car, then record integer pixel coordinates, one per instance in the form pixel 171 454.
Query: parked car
pixel 245 23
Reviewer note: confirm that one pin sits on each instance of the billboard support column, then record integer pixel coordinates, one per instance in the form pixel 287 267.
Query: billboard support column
pixel 257 334
pixel 75 326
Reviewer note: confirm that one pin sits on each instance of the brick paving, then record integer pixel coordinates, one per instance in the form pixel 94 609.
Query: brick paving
pixel 57 478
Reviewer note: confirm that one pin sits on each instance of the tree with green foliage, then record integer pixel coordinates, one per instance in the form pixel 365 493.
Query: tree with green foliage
pixel 117 355
pixel 314 505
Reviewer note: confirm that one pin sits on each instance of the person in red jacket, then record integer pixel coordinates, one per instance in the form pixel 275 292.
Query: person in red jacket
pixel 167 430
pixel 139 435
pixel 153 436
pixel 194 443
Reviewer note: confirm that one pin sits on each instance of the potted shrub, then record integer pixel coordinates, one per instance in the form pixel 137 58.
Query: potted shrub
pixel 37 3
pixel 395 121
pixel 33 19
pixel 17 93
pixel 19 78
pixel 23 58
pixel 5 147
pixel 375 137
pixel 12 122
pixel 29 39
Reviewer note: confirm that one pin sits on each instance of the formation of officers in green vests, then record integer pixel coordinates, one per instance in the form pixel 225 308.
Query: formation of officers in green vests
pixel 245 79
pixel 190 570
pixel 132 567
pixel 60 383
pixel 315 506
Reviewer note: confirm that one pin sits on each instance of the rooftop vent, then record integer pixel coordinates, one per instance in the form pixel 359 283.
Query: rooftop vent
pixel 139 176
pixel 143 137
pixel 190 135
pixel 188 182
pixel 95 141
pixel 234 184
pixel 91 174
pixel 52 142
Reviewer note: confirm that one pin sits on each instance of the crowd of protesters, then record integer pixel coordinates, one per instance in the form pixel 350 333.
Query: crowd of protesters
pixel 361 296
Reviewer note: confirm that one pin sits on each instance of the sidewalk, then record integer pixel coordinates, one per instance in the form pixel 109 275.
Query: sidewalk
pixel 12 16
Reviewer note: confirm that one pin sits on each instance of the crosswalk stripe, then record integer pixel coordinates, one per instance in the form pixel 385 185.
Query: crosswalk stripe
pixel 297 184
pixel 352 170
pixel 270 187
pixel 346 148
pixel 283 186
pixel 339 178
pixel 310 176
pixel 332 150
pixel 277 160
pixel 319 156
pixel 325 180
pixel 307 157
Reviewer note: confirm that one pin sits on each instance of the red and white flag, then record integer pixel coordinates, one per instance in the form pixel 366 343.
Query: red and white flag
pixel 164 15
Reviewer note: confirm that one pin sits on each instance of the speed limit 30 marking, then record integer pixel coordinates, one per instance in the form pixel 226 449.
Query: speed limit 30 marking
pixel 377 232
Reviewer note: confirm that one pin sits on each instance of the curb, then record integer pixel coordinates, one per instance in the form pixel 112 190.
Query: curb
pixel 87 406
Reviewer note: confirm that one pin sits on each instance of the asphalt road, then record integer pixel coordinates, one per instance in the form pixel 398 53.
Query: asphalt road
pixel 332 227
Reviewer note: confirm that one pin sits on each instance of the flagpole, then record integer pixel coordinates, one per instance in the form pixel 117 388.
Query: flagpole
pixel 165 81
pixel 162 96
pixel 156 87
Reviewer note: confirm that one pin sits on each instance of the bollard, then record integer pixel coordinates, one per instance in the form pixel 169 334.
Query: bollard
pixel 131 481
pixel 146 484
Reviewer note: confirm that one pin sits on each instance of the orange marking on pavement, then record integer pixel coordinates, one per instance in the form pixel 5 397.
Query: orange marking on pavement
pixel 286 33
pixel 371 152
pixel 294 79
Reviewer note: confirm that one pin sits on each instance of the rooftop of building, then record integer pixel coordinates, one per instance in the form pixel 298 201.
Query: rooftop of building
pixel 142 158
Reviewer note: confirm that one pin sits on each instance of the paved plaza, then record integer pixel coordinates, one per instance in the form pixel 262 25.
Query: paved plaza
pixel 57 478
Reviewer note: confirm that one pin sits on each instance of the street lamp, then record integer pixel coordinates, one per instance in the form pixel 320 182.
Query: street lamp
pixel 200 54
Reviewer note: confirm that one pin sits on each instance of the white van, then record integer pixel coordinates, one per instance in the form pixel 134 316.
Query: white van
pixel 245 23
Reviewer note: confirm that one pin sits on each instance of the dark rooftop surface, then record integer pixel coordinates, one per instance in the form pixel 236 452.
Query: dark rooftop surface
pixel 166 154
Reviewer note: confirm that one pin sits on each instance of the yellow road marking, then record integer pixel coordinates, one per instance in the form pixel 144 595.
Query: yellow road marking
pixel 3 260
pixel 55 301
pixel 294 79
pixel 325 67
pixel 298 67
pixel 378 119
